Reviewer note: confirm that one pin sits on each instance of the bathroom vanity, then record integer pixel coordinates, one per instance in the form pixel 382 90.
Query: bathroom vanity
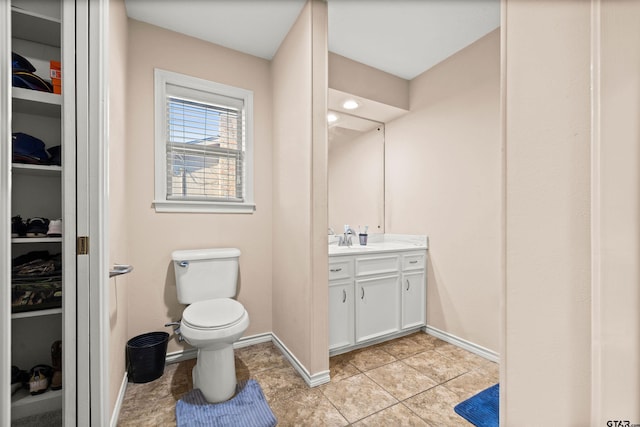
pixel 376 292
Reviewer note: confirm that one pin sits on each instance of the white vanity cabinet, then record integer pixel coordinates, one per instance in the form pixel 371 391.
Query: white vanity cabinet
pixel 377 295
pixel 413 290
pixel 341 303
pixel 374 296
pixel 341 314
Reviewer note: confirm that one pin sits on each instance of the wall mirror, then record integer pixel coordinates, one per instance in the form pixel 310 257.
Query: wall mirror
pixel 355 172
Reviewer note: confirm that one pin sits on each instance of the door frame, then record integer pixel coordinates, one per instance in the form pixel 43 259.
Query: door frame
pixel 5 215
pixel 93 212
pixel 99 212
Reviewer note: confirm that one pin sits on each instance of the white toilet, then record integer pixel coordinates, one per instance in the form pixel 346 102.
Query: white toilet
pixel 207 281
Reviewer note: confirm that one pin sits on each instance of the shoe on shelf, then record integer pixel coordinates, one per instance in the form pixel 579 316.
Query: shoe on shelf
pixel 18 378
pixel 56 362
pixel 15 374
pixel 18 227
pixel 39 381
pixel 37 227
pixel 55 228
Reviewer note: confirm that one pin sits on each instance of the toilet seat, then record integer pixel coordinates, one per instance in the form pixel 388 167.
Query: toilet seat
pixel 213 314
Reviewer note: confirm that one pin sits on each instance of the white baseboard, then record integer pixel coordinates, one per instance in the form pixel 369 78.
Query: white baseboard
pixel 311 380
pixel 181 355
pixel 253 340
pixel 192 352
pixel 467 345
pixel 115 415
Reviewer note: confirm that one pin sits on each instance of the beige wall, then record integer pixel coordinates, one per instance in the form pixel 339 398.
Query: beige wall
pixel 546 352
pixel 152 236
pixel 118 214
pixel 616 294
pixel 447 149
pixel 359 79
pixel 299 190
pixel 443 180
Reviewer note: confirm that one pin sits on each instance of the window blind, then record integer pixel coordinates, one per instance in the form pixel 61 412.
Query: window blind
pixel 205 152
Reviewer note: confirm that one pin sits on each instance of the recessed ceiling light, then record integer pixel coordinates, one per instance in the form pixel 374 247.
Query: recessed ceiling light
pixel 350 104
pixel 332 117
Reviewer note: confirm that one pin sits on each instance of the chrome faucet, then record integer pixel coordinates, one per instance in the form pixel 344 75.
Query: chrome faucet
pixel 345 239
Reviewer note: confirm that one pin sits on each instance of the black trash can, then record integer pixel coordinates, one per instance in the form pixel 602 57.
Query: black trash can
pixel 146 355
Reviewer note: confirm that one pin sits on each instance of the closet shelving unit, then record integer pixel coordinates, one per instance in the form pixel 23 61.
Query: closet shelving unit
pixel 36 189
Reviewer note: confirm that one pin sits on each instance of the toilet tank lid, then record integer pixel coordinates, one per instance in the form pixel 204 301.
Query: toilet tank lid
pixel 196 254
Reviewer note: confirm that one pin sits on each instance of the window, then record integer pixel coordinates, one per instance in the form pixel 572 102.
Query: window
pixel 204 156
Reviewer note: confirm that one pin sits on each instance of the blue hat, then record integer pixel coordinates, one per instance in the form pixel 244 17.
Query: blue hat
pixel 20 63
pixel 30 81
pixel 28 149
pixel 22 75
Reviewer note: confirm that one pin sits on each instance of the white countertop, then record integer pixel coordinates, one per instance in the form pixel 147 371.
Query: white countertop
pixel 379 243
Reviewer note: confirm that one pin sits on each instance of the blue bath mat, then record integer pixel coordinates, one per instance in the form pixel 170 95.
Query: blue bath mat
pixel 481 410
pixel 248 408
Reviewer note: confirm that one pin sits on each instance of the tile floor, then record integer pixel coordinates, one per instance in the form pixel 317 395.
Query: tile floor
pixel 415 380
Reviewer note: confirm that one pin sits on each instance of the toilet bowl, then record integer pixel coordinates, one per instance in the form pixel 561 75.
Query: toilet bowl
pixel 206 280
pixel 212 326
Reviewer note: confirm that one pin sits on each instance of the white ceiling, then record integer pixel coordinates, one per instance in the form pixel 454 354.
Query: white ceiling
pixel 407 37
pixel 401 37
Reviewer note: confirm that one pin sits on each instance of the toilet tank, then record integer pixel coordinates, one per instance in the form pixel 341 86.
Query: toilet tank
pixel 203 274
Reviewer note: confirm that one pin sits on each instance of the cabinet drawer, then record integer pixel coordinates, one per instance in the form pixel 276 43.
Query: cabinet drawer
pixel 340 269
pixel 376 264
pixel 414 261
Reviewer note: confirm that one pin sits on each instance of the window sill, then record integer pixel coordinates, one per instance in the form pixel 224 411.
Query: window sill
pixel 202 207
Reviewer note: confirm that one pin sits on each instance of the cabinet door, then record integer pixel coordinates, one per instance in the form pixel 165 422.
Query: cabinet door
pixel 341 308
pixel 413 299
pixel 377 306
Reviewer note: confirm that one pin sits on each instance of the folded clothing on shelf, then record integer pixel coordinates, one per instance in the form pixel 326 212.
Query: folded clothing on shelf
pixel 36 282
pixel 36 295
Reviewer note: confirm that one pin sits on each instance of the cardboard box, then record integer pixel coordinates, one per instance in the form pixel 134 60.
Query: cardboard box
pixel 56 76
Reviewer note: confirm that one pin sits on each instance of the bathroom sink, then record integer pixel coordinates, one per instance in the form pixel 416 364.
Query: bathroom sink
pixel 335 249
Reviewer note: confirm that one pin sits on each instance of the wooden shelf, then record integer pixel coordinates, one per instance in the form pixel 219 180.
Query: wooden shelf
pixel 24 404
pixel 37 313
pixel 36 102
pixel 25 240
pixel 35 27
pixel 40 170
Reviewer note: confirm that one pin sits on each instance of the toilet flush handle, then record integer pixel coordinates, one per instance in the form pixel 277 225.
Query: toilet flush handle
pixel 184 264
